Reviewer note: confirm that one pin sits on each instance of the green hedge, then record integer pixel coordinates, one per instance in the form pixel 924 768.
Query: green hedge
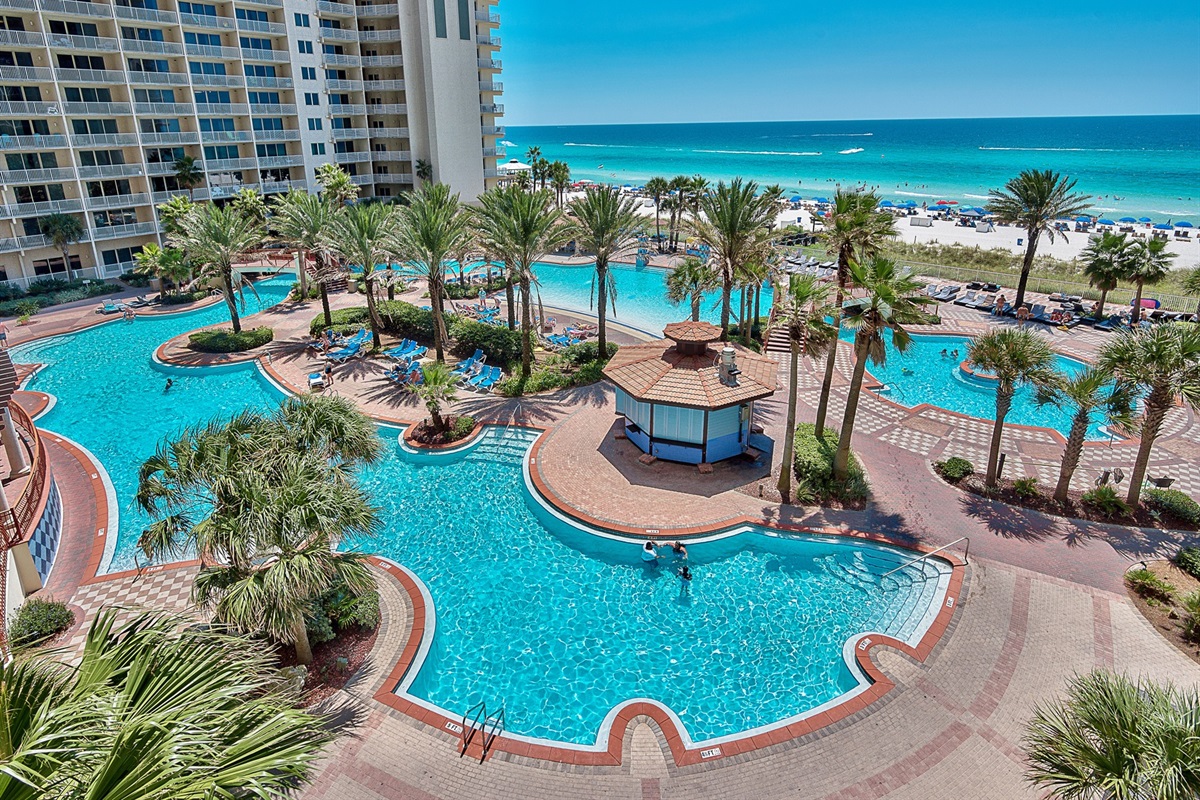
pixel 587 352
pixel 455 291
pixel 226 341
pixel 345 320
pixel 954 469
pixel 135 279
pixel 51 292
pixel 1188 560
pixel 501 346
pixel 39 619
pixel 1173 502
pixel 179 298
pixel 813 464
pixel 398 317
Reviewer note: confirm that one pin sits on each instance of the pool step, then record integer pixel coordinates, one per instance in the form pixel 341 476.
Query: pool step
pixel 503 446
pixel 917 584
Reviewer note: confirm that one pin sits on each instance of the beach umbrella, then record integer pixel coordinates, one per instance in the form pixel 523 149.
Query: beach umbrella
pixel 1143 219
pixel 911 204
pixel 1083 219
pixel 1184 225
pixel 1106 222
pixel 887 204
pixel 1163 226
pixel 970 212
pixel 946 203
pixel 796 198
pixel 820 199
pixel 1127 219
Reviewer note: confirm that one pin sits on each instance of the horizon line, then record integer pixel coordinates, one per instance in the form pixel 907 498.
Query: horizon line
pixel 874 119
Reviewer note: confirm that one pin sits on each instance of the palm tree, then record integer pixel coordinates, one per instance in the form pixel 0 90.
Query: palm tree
pixel 173 212
pixel 1162 363
pixel 1113 739
pixel 1146 262
pixel 754 275
pixel 1191 286
pixel 337 185
pixel 1015 357
pixel 855 230
pixel 362 235
pixel 187 174
pixel 801 312
pixel 689 281
pixel 607 225
pixel 1104 264
pixel 249 201
pixel 155 709
pixel 559 173
pixel 520 227
pixel 303 221
pixel 437 389
pixel 533 155
pixel 657 187
pixel 168 265
pixel 275 505
pixel 432 229
pixel 677 204
pixel 63 230
pixel 893 299
pixel 734 226
pixel 1089 391
pixel 423 169
pixel 215 238
pixel 1034 200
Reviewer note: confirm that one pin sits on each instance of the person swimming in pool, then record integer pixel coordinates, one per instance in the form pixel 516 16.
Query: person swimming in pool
pixel 679 551
pixel 945 353
pixel 649 553
pixel 954 354
pixel 685 579
pixel 170 383
pixel 906 371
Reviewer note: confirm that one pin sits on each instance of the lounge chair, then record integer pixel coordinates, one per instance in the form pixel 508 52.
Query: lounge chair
pixel 966 299
pixel 401 350
pixel 469 365
pixel 486 379
pixel 982 302
pixel 345 354
pixel 932 289
pixel 139 302
pixel 111 308
pixel 1110 324
pixel 947 294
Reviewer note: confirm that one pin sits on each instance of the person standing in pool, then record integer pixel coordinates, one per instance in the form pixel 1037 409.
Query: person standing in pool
pixel 679 551
pixel 650 553
pixel 170 383
pixel 685 580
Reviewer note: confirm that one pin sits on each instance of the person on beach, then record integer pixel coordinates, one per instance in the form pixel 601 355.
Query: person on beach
pixel 649 553
pixel 3 336
pixel 329 373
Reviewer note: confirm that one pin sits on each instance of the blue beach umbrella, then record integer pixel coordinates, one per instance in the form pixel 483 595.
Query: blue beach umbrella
pixel 1083 219
pixel 796 198
pixel 887 204
pixel 1184 225
pixel 910 204
pixel 820 199
pixel 1127 219
pixel 1163 226
pixel 1106 222
pixel 1143 219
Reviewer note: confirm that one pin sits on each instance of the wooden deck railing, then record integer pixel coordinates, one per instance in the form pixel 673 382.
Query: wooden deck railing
pixel 22 517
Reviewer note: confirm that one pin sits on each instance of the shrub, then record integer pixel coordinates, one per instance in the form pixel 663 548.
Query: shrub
pixel 462 427
pixel 501 346
pixel 179 298
pixel 318 625
pixel 26 308
pixel 226 341
pixel 1106 501
pixel 542 380
pixel 48 286
pixel 1191 618
pixel 813 465
pixel 954 469
pixel 455 291
pixel 584 352
pixel 10 291
pixel 407 321
pixel 589 373
pixel 135 279
pixel 1147 584
pixel 39 619
pixel 345 320
pixel 314 291
pixel 1025 487
pixel 1172 502
pixel 1188 560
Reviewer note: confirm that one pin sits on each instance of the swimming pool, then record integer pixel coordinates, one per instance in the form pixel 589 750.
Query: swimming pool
pixel 924 375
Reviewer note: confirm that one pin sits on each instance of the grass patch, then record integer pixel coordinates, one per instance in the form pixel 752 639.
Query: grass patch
pixel 813 465
pixel 226 341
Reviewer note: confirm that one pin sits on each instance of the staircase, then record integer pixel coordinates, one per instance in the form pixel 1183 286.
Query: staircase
pixel 777 341
pixel 503 445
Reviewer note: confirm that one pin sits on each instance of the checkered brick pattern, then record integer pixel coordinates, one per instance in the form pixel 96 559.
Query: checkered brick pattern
pixel 43 544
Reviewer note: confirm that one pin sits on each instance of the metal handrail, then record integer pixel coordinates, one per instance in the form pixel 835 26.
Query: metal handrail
pixel 475 712
pixel 497 721
pixel 966 555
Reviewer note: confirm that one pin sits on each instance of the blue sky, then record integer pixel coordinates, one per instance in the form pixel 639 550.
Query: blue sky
pixel 618 61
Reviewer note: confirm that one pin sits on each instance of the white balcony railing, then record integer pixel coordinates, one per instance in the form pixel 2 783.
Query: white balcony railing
pixel 24 38
pixel 340 60
pixel 18 210
pixel 255 82
pixel 274 162
pixel 274 28
pixel 122 231
pixel 351 158
pixel 277 136
pixel 26 74
pixel 158 78
pixel 383 61
pixel 384 86
pixel 391 155
pixel 145 14
pixel 222 137
pixel 144 46
pixel 164 109
pixel 104 44
pixel 92 139
pixel 389 133
pixel 381 10
pixel 391 35
pixel 112 171
pixel 37 175
pixel 387 108
pixel 208 21
pixel 218 80
pixel 345 134
pixel 118 201
pixel 77 9
pixel 174 137
pixel 35 142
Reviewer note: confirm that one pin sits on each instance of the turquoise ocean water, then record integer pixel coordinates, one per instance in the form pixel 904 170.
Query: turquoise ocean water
pixel 1131 166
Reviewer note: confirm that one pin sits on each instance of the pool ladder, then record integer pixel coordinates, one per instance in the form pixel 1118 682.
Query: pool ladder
pixel 477 721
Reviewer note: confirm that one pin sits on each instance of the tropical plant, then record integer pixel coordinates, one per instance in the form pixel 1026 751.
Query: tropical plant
pixel 688 281
pixel 155 710
pixel 1147 261
pixel 1162 363
pixel 1113 739
pixel 751 279
pixel 337 185
pixel 607 225
pixel 166 264
pixel 1089 391
pixel 521 227
pixel 801 313
pixel 423 169
pixel 437 390
pixel 63 230
pixel 657 187
pixel 263 501
pixel 676 204
pixel 250 202
pixel 1015 357
pixel 1104 264
pixel 1034 200
pixel 214 238
pixel 362 235
pixel 1191 285
pixel 733 224
pixel 855 230
pixel 432 229
pixel 303 221
pixel 892 299
pixel 173 212
pixel 187 174
pixel 559 173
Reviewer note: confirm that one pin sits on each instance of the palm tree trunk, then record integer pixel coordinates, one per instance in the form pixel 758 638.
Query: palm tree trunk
pixel 602 298
pixel 373 315
pixel 726 301
pixel 657 224
pixel 1157 404
pixel 526 330
pixel 304 653
pixel 66 251
pixel 789 431
pixel 1071 455
pixel 302 274
pixel 230 300
pixel 841 459
pixel 325 304
pixel 1026 266
pixel 512 309
pixel 435 416
pixel 696 306
pixel 439 319
pixel 831 357
pixel 1003 404
pixel 1137 304
pixel 1103 297
pixel 757 303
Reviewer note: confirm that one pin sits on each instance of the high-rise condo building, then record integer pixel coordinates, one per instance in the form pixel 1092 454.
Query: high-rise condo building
pixel 100 99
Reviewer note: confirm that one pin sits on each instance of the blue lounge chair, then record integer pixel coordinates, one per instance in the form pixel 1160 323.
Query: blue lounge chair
pixel 486 379
pixel 111 308
pixel 401 350
pixel 345 354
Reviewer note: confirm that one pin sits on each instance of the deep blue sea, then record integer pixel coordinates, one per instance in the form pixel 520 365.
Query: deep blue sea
pixel 1130 166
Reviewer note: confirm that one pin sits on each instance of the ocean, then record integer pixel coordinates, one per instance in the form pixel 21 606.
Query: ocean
pixel 1130 166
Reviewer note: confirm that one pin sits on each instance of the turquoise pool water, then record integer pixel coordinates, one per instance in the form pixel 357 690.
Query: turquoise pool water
pixel 924 375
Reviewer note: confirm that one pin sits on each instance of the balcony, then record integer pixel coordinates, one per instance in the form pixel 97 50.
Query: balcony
pixel 35 142
pixel 163 197
pixel 389 133
pixel 118 201
pixel 122 231
pixel 342 85
pixel 337 34
pixel 384 86
pixel 77 9
pixel 273 109
pixel 372 11
pixel 92 139
pixel 144 46
pixel 112 171
pixel 18 210
pixel 491 108
pixel 37 175
pixel 12 245
pixel 260 54
pixel 351 158
pixel 484 16
pixel 338 9
pixel 207 21
pixel 391 155
pixel 491 173
pixel 345 134
pixel 392 35
pixel 23 5
pixel 25 38
pixel 342 109
pixel 360 180
pixel 488 86
pixel 273 28
pixel 102 44
pixel 27 74
pixel 494 152
pixel 146 15
pixel 275 162
pixel 218 80
pixel 160 168
pixel 340 60
pixel 267 3
pixel 221 109
pixel 103 76
pixel 493 130
pixel 164 109
pixel 489 63
pixel 383 61
pixel 277 136
pixel 483 40
pixel 21 107
pixel 222 137
pixel 254 82
pixel 174 137
pixel 158 78
pixel 228 164
pixel 212 51
pixel 387 108
pixel 279 187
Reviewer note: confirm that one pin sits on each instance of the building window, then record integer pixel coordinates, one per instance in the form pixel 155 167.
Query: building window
pixel 465 20
pixel 308 73
pixel 254 43
pixel 268 123
pixel 87 94
pixel 121 255
pixel 55 266
pixel 253 16
pixel 439 18
pixel 199 9
pixel 270 150
pixel 206 39
pixel 212 96
pixel 264 98
pixel 312 99
pixel 318 148
pixel 314 124
pixel 304 47
pixel 302 21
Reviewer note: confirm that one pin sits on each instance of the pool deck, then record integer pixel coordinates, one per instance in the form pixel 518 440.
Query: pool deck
pixel 1042 601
